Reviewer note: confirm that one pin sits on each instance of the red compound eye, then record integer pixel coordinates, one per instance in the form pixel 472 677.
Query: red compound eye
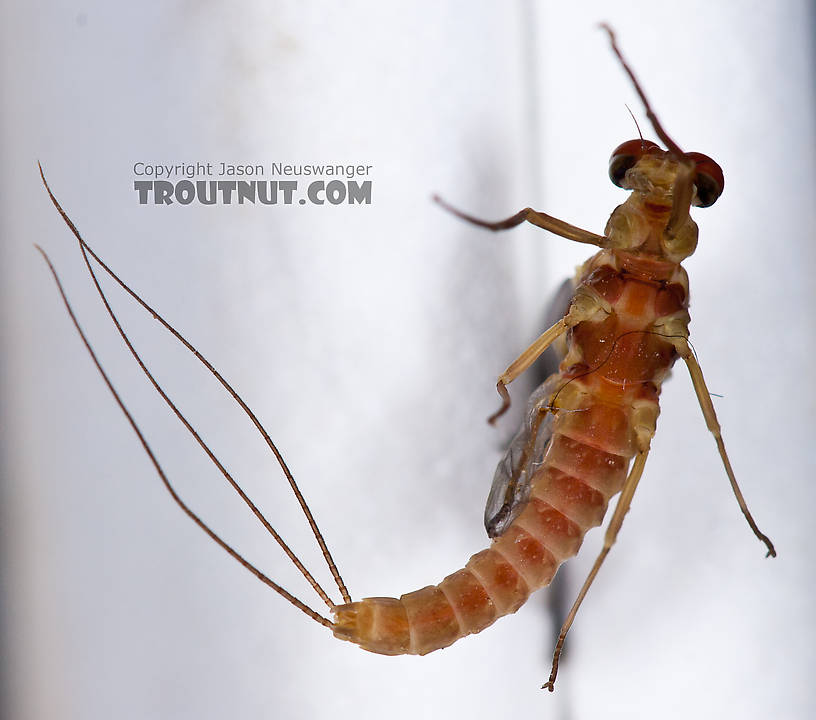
pixel 625 156
pixel 708 179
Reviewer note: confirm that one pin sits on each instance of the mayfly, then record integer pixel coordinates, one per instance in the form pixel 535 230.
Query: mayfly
pixel 587 429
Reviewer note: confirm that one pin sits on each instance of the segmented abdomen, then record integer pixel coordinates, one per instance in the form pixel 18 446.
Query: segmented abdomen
pixel 594 436
pixel 569 495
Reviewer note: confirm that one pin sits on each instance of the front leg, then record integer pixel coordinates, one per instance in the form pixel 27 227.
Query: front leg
pixel 542 220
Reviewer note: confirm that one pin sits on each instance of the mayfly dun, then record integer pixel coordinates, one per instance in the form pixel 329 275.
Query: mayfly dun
pixel 587 429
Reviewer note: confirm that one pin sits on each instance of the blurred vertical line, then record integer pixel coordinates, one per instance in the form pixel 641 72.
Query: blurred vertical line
pixel 531 255
pixel 532 78
pixel 811 13
pixel 554 602
pixel 6 303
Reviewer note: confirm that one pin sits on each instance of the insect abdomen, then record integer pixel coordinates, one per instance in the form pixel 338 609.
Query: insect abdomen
pixel 569 495
pixel 605 405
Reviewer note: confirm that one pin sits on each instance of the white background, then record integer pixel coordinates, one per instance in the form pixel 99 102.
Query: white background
pixel 368 339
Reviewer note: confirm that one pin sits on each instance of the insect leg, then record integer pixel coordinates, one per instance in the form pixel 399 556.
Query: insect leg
pixel 704 398
pixel 584 305
pixel 542 220
pixel 615 523
pixel 524 361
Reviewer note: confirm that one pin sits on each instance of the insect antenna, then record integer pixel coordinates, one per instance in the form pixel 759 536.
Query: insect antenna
pixel 86 250
pixel 637 124
pixel 190 513
pixel 658 128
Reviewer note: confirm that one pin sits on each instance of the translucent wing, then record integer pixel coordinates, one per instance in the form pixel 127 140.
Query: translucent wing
pixel 511 482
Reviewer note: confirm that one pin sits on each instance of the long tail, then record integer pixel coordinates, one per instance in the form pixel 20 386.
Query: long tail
pixel 87 251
